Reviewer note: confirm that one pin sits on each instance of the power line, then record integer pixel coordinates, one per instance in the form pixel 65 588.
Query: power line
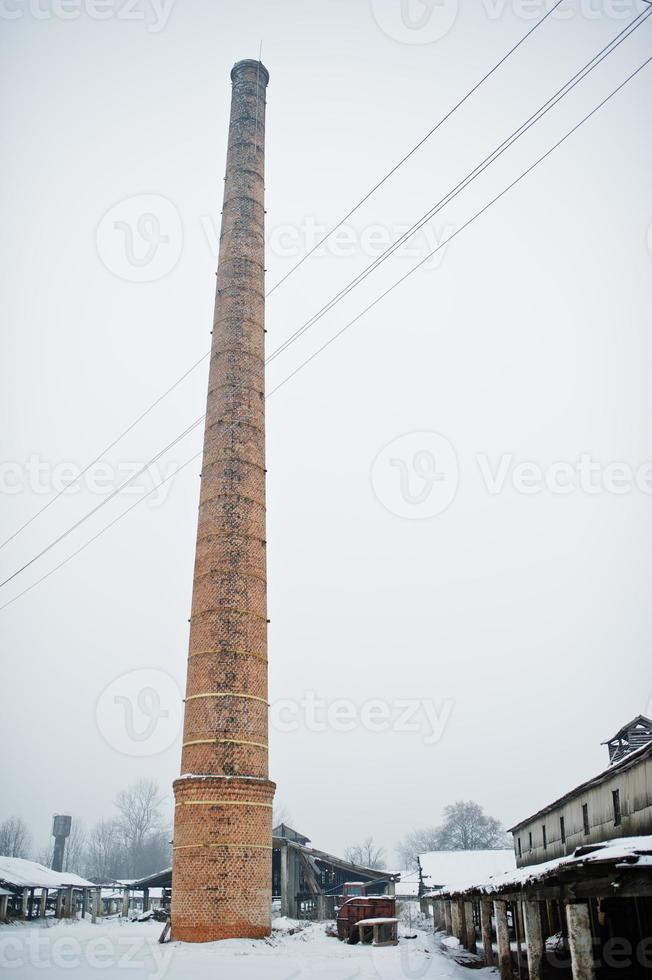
pixel 105 450
pixel 417 145
pixel 105 501
pixel 470 177
pixel 370 306
pixel 102 530
pixel 545 108
pixel 287 275
pixel 457 232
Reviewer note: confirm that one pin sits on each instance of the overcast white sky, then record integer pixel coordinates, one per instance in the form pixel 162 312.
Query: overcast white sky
pixel 522 620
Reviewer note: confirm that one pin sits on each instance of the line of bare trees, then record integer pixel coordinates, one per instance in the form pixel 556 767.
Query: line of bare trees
pixel 466 827
pixel 131 843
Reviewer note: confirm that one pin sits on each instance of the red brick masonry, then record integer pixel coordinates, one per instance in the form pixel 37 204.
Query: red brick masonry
pixel 222 858
pixel 222 885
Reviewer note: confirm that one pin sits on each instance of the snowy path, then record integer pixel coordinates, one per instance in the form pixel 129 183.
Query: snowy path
pixel 118 949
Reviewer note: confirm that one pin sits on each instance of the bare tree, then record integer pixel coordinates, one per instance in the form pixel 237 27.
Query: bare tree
pixel 103 853
pixel 367 854
pixel 74 855
pixel 417 842
pixel 44 856
pixel 139 820
pixel 15 839
pixel 280 814
pixel 467 827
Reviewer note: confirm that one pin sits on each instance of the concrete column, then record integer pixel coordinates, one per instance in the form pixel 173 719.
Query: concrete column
pixel 24 909
pixel 441 916
pixel 534 939
pixel 59 908
pixel 580 941
pixel 43 904
pixel 391 887
pixel 284 879
pixel 469 927
pixel 4 901
pixel 448 916
pixel 486 909
pixel 70 903
pixel 459 925
pixel 125 902
pixel 502 936
pixel 95 903
pixel 436 915
pixel 84 909
pixel 145 899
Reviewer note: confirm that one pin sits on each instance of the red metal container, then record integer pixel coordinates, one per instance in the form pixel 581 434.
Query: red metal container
pixel 363 907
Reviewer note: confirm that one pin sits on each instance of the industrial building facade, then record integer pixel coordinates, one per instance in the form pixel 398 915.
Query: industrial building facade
pixel 615 803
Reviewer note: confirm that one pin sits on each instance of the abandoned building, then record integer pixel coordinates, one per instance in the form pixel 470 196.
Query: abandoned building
pixel 306 883
pixel 615 803
pixel 29 890
pixel 579 904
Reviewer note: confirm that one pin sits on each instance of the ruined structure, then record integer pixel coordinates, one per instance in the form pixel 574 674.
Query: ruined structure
pixel 223 815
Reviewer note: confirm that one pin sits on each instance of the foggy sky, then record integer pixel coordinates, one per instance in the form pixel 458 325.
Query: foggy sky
pixel 517 621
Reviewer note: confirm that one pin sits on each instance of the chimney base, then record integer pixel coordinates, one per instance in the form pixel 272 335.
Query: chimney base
pixel 222 879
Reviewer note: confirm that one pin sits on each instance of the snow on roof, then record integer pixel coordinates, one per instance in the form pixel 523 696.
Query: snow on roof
pixel 442 868
pixel 28 874
pixel 622 852
pixel 458 869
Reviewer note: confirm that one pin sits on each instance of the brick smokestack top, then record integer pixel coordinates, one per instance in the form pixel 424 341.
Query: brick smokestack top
pixel 222 865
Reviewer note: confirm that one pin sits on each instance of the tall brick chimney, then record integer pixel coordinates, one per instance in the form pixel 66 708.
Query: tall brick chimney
pixel 222 864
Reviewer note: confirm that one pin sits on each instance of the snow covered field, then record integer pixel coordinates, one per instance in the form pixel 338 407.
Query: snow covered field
pixel 120 949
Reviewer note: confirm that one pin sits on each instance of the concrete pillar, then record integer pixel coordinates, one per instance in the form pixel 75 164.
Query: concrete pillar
pixel 459 925
pixel 391 887
pixel 70 903
pixel 59 907
pixel 226 726
pixel 441 916
pixel 469 927
pixel 486 909
pixel 502 936
pixel 84 908
pixel 285 874
pixel 24 908
pixel 43 904
pixel 436 915
pixel 145 899
pixel 580 941
pixel 448 916
pixel 4 901
pixel 534 939
pixel 95 904
pixel 125 902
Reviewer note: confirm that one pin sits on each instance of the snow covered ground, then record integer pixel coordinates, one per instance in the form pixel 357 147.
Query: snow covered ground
pixel 117 948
